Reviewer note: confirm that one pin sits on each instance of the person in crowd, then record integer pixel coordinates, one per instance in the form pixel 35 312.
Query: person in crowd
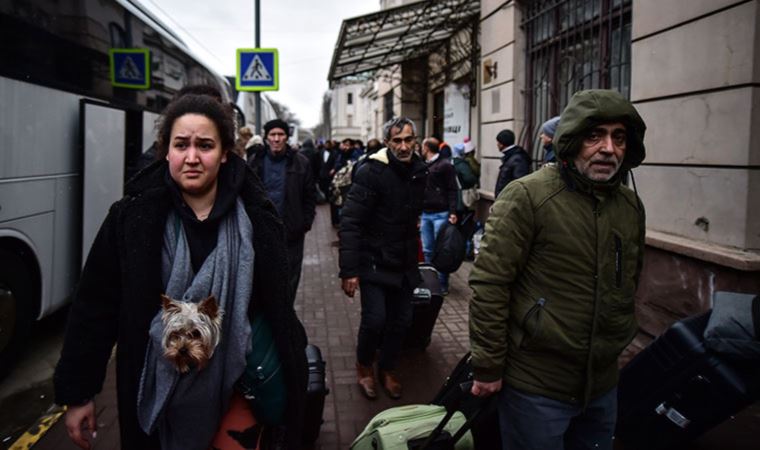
pixel 547 136
pixel 288 181
pixel 468 184
pixel 554 283
pixel 254 145
pixel 308 150
pixel 143 161
pixel 358 149
pixel 330 156
pixel 439 203
pixel 346 156
pixel 197 227
pixel 515 161
pixel 469 156
pixel 244 135
pixel 444 149
pixel 378 251
pixel 373 145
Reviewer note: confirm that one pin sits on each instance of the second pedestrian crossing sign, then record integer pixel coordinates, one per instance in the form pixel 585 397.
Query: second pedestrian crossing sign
pixel 257 69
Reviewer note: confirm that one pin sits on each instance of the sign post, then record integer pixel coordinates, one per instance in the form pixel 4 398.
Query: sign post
pixel 130 67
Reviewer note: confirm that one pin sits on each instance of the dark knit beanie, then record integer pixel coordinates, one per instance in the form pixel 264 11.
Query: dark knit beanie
pixel 506 137
pixel 276 123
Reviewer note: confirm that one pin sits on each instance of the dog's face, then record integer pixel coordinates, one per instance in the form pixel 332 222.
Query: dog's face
pixel 191 332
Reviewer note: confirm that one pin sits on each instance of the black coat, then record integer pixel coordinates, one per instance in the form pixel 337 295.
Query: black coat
pixel 378 225
pixel 515 163
pixel 300 192
pixel 118 296
pixel 441 189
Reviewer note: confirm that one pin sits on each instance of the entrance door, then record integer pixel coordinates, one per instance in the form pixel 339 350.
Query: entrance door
pixel 102 131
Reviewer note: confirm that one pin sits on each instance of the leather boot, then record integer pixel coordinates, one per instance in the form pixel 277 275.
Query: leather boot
pixel 391 384
pixel 366 379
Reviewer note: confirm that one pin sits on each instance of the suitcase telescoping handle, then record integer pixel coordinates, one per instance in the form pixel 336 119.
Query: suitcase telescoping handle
pixel 451 408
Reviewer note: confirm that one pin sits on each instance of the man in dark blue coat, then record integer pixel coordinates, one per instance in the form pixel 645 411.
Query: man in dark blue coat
pixel 289 182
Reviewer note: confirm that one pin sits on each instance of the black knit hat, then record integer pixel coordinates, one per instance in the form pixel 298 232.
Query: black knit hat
pixel 276 123
pixel 505 137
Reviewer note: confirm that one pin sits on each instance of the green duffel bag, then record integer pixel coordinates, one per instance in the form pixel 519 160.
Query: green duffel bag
pixel 394 428
pixel 263 382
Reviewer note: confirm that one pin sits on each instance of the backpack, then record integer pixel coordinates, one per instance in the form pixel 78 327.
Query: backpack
pixel 449 250
pixel 340 184
pixel 465 175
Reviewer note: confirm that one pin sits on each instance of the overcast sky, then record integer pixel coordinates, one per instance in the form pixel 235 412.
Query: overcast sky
pixel 303 31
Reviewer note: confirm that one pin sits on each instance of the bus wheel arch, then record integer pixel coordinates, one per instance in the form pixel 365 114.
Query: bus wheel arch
pixel 19 299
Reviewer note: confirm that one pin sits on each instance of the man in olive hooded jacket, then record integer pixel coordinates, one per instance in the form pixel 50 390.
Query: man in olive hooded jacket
pixel 555 279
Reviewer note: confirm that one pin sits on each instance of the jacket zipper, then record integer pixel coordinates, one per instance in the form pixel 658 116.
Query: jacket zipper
pixel 618 261
pixel 587 387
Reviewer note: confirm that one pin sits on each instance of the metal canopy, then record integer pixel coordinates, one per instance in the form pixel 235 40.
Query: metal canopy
pixel 391 36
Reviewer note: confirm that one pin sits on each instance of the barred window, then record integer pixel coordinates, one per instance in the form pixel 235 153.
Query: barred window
pixel 572 45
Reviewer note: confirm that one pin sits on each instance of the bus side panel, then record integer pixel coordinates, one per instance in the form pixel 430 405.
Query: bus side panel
pixel 40 131
pixel 41 142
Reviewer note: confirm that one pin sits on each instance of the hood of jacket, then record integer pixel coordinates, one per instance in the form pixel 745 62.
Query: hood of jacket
pixel 594 107
pixel 385 156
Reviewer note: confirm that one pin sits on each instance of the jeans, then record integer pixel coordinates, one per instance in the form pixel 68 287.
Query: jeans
pixel 533 422
pixel 430 225
pixel 386 315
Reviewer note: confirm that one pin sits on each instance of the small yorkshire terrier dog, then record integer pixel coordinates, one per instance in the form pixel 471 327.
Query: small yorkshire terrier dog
pixel 191 332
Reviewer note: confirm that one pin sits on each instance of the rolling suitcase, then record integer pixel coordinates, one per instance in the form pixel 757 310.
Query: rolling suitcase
pixel 484 414
pixel 426 303
pixel 418 427
pixel 676 389
pixel 315 395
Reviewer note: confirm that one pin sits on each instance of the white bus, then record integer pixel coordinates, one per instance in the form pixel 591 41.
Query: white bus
pixel 69 137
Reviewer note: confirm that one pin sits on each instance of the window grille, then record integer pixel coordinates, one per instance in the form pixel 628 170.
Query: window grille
pixel 572 45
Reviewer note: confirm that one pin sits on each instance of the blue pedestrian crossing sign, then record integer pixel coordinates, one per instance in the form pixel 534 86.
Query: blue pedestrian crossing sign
pixel 257 69
pixel 130 67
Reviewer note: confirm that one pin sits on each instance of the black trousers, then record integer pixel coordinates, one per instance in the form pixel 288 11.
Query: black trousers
pixel 386 316
pixel 295 261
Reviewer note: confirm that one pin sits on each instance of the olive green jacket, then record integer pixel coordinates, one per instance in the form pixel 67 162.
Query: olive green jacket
pixel 557 270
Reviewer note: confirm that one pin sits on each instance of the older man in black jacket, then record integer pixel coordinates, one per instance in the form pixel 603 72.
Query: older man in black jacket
pixel 515 161
pixel 378 250
pixel 289 182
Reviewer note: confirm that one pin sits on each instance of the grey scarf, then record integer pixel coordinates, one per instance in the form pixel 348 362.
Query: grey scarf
pixel 186 409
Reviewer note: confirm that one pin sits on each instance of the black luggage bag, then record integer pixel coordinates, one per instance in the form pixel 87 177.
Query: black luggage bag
pixel 676 389
pixel 483 415
pixel 426 303
pixel 315 395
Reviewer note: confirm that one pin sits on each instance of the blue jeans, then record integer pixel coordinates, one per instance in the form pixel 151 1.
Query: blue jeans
pixel 533 422
pixel 430 225
pixel 386 315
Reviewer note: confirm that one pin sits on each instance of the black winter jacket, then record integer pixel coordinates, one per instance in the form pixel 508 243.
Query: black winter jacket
pixel 378 226
pixel 515 163
pixel 441 189
pixel 118 296
pixel 300 192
